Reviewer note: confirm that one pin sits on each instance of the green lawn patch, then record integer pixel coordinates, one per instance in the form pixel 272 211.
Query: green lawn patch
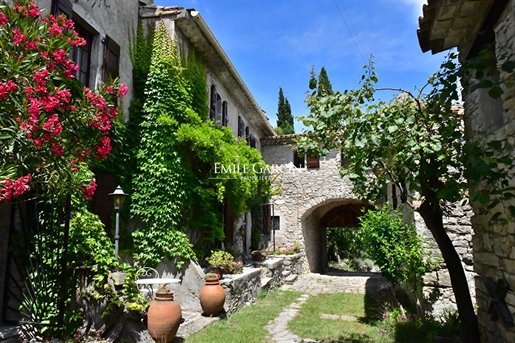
pixel 309 324
pixel 247 325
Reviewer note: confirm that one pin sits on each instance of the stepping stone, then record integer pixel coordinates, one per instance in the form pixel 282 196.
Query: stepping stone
pixel 336 317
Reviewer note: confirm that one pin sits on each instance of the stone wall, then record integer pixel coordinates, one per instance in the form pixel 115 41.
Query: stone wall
pixel 243 289
pixel 494 244
pixel 437 284
pixel 305 195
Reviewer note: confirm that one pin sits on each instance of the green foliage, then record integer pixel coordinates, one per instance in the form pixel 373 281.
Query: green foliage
pixel 178 188
pixel 347 243
pixel 394 246
pixel 49 120
pixel 284 116
pixel 219 259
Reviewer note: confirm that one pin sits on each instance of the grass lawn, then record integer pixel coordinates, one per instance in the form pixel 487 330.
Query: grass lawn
pixel 247 325
pixel 309 324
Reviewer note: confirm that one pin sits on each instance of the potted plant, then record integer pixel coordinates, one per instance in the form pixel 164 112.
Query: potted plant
pixel 212 295
pixel 220 261
pixel 163 316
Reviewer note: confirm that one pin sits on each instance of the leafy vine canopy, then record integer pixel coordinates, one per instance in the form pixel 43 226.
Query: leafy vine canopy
pixel 177 191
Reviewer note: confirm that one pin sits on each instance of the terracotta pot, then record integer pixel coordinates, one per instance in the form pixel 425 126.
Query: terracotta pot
pixel 282 249
pixel 163 317
pixel 212 297
pixel 258 257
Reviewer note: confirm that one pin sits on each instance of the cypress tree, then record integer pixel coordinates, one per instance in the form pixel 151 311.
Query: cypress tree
pixel 284 116
pixel 324 85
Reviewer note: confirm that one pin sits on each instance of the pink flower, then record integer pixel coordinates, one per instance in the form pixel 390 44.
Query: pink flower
pixel 6 88
pixel 31 45
pixel 40 76
pixel 55 30
pixel 18 36
pixel 89 191
pixel 122 91
pixel 57 149
pixel 33 10
pixel 3 18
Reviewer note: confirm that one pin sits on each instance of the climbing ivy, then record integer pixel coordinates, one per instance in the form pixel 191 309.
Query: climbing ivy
pixel 178 190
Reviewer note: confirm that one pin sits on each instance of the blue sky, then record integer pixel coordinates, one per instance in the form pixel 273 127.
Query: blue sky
pixel 274 43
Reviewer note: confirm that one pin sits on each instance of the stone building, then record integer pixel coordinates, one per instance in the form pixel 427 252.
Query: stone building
pixel 108 27
pixel 472 26
pixel 312 196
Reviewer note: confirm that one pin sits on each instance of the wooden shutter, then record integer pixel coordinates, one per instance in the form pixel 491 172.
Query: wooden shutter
pixel 252 141
pixel 241 127
pixel 247 134
pixel 312 161
pixel 212 105
pixel 225 118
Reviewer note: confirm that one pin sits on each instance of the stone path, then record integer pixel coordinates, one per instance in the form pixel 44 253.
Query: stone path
pixel 313 284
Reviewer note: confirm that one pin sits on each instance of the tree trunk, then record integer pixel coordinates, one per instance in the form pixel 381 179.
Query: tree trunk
pixel 433 217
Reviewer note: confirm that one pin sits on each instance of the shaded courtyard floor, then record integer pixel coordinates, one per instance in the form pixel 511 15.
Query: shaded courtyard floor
pixel 309 285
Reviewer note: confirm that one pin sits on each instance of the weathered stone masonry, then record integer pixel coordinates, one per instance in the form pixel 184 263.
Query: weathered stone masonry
pixel 306 195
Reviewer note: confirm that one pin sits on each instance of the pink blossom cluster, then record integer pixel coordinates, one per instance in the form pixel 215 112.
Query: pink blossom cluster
pixel 10 189
pixel 7 88
pixel 54 123
pixel 89 190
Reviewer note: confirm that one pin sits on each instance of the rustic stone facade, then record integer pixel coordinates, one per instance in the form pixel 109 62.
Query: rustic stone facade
pixel 491 22
pixel 306 195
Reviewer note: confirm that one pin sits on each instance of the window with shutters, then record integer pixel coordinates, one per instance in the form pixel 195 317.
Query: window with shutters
pixel 241 127
pixel 247 134
pixel 81 55
pixel 225 117
pixel 312 161
pixel 111 60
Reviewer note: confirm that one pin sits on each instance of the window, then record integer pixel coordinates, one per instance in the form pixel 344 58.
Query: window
pixel 252 141
pixel 62 7
pixel 307 160
pixel 247 134
pixel 241 127
pixel 111 59
pixel 81 55
pixel 212 103
pixel 225 118
pixel 298 161
pixel 276 223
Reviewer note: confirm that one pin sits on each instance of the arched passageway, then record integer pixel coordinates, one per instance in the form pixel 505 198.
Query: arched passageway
pixel 333 213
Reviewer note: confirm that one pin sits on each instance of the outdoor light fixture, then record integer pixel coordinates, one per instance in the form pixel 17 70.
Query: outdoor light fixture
pixel 118 196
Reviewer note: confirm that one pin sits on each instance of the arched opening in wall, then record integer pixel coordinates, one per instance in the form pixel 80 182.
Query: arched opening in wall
pixel 341 213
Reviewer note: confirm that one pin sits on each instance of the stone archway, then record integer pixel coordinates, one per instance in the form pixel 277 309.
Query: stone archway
pixel 335 213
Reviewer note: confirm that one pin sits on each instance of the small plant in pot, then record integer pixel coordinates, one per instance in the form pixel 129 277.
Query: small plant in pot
pixel 220 261
pixel 211 276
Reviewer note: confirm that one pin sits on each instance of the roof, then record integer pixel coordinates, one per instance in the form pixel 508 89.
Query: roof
pixel 447 24
pixel 281 139
pixel 195 29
